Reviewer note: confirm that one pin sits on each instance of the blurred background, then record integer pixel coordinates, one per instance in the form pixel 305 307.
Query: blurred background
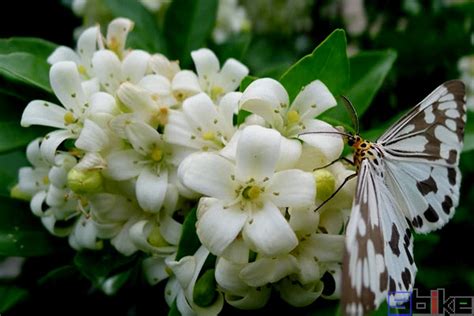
pixel 433 40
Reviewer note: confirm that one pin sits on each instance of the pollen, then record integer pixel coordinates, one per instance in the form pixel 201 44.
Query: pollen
pixel 155 238
pixel 216 91
pixel 69 118
pixel 293 117
pixel 82 70
pixel 45 180
pixel 208 136
pixel 156 154
pixel 251 192
pixel 325 183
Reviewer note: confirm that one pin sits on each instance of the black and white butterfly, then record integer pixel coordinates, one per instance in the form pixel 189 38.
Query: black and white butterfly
pixel 407 180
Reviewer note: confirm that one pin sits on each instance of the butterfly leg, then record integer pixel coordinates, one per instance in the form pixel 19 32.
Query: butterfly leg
pixel 333 162
pixel 337 190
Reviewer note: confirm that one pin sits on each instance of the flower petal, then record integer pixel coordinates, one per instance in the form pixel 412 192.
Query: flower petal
pixel 135 98
pixel 299 295
pixel 326 247
pixel 92 137
pixel 161 65
pixel 135 65
pixel 102 102
pixel 303 220
pixel 263 97
pixel 257 153
pixel 218 226
pixel 63 53
pixel 170 229
pixel 117 33
pixel 292 188
pixel 185 83
pixel 228 107
pixel 33 153
pixel 201 112
pixel 227 276
pixel 36 203
pixel 108 69
pixel 143 137
pixel 207 65
pixel 157 84
pixel 154 269
pixel 151 189
pixel 290 152
pixel 51 142
pixel 139 235
pixel 87 46
pixel 178 131
pixel 43 113
pixel 122 241
pixel 268 270
pixel 269 232
pixel 314 99
pixel 84 235
pixel 209 174
pixel 66 83
pixel 232 74
pixel 124 164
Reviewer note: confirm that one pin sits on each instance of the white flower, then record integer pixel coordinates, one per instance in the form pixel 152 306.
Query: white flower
pixel 246 195
pixel 69 119
pixel 161 65
pixel 231 19
pixel 210 78
pixel 201 125
pixel 268 98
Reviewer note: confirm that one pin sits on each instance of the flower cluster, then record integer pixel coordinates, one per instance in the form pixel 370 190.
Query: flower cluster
pixel 138 142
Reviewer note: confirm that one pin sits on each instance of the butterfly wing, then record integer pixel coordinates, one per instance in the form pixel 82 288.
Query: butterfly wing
pixel 379 246
pixel 421 154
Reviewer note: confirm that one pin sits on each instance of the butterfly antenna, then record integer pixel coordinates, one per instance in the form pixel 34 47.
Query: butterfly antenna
pixel 352 113
pixel 337 190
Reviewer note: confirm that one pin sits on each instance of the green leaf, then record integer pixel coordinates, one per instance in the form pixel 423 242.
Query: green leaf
pixel 469 133
pixel 11 295
pixel 27 69
pixel 58 274
pixel 189 241
pixel 174 309
pixel 99 266
pixel 21 234
pixel 188 24
pixel 146 34
pixel 368 71
pixel 328 63
pixel 35 46
pixel 9 165
pixel 204 293
pixel 235 47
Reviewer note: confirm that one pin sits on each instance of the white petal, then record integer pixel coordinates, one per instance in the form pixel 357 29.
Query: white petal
pixel 217 226
pixel 66 83
pixel 207 64
pixel 87 46
pixel 309 271
pixel 30 180
pixel 43 113
pixel 183 270
pixel 108 69
pixel 92 137
pixel 143 137
pixel 102 102
pixel 255 298
pixel 36 203
pixel 122 241
pixel 232 74
pixel 135 98
pixel 108 207
pixel 123 165
pixel 178 131
pixel 332 220
pixel 52 141
pixel 84 235
pixel 201 112
pixel 186 82
pixel 151 189
pixel 237 251
pixel 63 53
pixel 228 106
pixel 327 248
pixel 117 33
pixel 292 188
pixel 303 220
pixel 33 153
pixel 209 174
pixel 314 99
pixel 268 270
pixel 263 97
pixel 139 233
pixel 161 65
pixel 91 161
pixel 290 152
pixel 170 229
pixel 299 296
pixel 257 153
pixel 154 269
pixel 90 86
pixel 156 84
pixel 135 65
pixel 227 276
pixel 269 232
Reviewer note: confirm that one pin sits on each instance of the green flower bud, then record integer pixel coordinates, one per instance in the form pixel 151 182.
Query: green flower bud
pixel 325 184
pixel 204 293
pixel 85 181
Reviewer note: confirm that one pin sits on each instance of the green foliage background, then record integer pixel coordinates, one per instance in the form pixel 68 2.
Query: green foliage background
pixel 394 70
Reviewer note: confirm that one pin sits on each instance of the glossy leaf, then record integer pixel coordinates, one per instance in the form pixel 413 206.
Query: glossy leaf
pixel 10 163
pixel 188 24
pixel 328 63
pixel 11 295
pixel 35 46
pixel 189 241
pixel 234 47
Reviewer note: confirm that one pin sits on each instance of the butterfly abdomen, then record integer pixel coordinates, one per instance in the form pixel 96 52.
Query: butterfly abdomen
pixel 364 149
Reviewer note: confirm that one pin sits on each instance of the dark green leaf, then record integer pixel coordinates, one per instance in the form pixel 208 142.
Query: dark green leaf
pixel 9 165
pixel 234 47
pixel 146 34
pixel 188 24
pixel 21 234
pixel 25 68
pixel 469 133
pixel 174 310
pixel 328 63
pixel 34 46
pixel 189 241
pixel 10 296
pixel 58 274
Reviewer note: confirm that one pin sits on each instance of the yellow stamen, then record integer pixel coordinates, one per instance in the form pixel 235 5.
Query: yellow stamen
pixel 82 70
pixel 293 117
pixel 251 192
pixel 69 118
pixel 325 182
pixel 156 154
pixel 208 136
pixel 46 180
pixel 216 91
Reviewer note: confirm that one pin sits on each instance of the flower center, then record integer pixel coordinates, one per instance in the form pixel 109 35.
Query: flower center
pixel 156 154
pixel 292 117
pixel 251 192
pixel 155 238
pixel 326 184
pixel 216 91
pixel 45 180
pixel 208 136
pixel 69 118
pixel 82 70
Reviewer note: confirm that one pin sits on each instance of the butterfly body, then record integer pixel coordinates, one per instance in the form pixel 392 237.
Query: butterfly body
pixel 407 180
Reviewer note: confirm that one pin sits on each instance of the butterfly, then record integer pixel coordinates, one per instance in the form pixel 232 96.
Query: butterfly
pixel 407 180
